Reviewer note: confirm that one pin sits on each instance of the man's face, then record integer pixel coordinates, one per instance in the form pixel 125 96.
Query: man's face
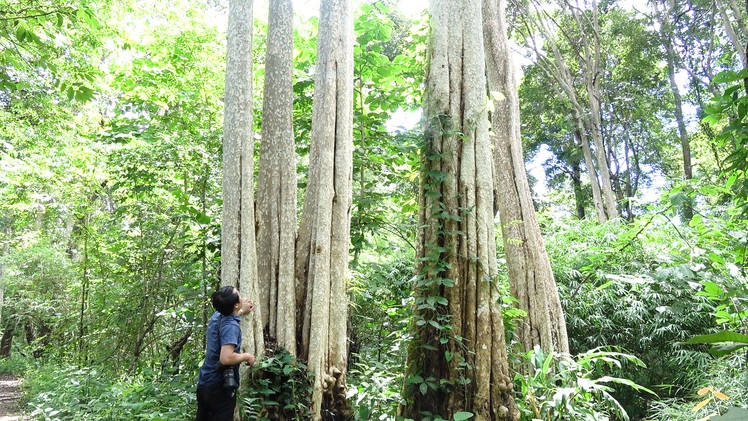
pixel 241 300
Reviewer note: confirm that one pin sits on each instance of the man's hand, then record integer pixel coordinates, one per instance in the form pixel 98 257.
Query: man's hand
pixel 247 306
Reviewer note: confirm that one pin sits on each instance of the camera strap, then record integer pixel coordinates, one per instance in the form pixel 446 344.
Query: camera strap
pixel 220 322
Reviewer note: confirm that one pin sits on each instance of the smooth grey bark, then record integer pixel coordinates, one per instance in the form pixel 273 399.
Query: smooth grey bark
pixel 732 33
pixel 324 233
pixel 238 252
pixel 276 184
pixel 558 70
pixel 590 52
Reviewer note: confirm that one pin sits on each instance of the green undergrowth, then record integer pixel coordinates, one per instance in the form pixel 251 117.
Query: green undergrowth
pixel 727 376
pixel 14 366
pixel 74 393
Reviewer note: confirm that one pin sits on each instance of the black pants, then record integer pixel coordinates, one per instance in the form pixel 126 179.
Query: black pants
pixel 214 404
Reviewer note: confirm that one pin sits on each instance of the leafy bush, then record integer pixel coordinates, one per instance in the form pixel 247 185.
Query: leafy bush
pixel 647 315
pixel 727 375
pixel 279 387
pixel 563 388
pixel 73 393
pixel 732 104
pixel 638 288
pixel 16 365
pixel 380 291
pixel 374 390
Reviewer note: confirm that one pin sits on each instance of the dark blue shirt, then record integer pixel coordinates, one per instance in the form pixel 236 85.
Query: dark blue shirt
pixel 231 334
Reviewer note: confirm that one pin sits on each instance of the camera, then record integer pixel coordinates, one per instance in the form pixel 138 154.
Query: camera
pixel 229 380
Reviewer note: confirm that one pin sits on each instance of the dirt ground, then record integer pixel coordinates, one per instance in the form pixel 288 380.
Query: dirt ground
pixel 9 394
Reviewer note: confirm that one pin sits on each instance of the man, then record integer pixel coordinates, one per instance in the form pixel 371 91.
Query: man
pixel 213 403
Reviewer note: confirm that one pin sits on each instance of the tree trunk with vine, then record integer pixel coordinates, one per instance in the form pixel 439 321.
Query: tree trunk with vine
pixel 458 359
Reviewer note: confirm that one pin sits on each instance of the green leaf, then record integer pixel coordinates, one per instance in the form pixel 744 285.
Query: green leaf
pixel 711 290
pixel 713 338
pixel 741 110
pixel 678 199
pixel 714 257
pixel 726 77
pixel 711 119
pixel 459 416
pixel 21 33
pixel 627 382
pixel 83 94
pixel 731 181
pixel 605 286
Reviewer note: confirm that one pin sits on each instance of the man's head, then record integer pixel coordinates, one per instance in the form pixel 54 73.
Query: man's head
pixel 224 300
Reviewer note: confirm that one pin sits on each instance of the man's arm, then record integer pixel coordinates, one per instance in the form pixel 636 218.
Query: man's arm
pixel 229 357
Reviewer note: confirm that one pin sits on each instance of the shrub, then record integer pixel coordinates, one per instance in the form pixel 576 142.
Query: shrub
pixel 374 390
pixel 636 288
pixel 576 389
pixel 279 387
pixel 15 366
pixel 727 375
pixel 380 292
pixel 73 393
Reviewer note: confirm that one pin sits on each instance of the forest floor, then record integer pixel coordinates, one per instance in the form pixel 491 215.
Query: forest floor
pixel 10 393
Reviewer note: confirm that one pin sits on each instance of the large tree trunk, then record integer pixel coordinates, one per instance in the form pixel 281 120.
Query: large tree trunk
pixel 458 359
pixel 238 255
pixel 6 341
pixel 530 273
pixel 7 329
pixel 2 284
pixel 682 131
pixel 276 185
pixel 324 232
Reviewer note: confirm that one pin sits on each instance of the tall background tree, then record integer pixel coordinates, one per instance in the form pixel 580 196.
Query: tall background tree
pixel 667 17
pixel 621 136
pixel 530 275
